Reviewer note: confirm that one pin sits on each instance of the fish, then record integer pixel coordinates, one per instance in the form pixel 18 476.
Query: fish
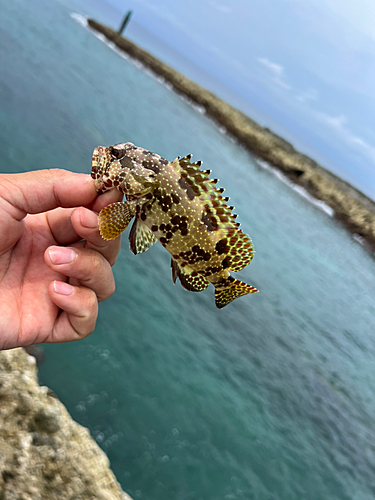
pixel 175 203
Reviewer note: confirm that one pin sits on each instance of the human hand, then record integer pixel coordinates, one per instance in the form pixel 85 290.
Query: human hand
pixel 54 265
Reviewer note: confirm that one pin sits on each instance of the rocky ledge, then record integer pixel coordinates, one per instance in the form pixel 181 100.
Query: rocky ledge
pixel 351 207
pixel 44 454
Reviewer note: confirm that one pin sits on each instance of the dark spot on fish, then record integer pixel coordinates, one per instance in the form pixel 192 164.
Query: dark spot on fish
pixel 168 227
pixel 143 216
pixel 162 227
pixel 163 240
pixel 195 248
pixel 176 256
pixel 207 256
pixel 151 166
pixel 221 246
pixel 154 228
pixel 148 196
pixel 175 219
pixel 226 262
pixel 189 191
pixel 169 235
pixel 184 232
pixel 207 221
pixel 167 200
pixel 175 198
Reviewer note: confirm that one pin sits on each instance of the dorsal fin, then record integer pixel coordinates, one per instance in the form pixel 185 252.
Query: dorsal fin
pixel 217 213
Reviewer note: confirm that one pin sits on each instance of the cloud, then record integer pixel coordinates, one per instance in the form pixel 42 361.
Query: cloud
pixel 222 8
pixel 338 123
pixel 335 122
pixel 308 95
pixel 276 70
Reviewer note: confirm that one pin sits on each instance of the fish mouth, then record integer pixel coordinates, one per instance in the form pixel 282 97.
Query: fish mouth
pixel 101 160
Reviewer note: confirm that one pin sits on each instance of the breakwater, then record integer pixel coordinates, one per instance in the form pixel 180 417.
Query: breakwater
pixel 351 207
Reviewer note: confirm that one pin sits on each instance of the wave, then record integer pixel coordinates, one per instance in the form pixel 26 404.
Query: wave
pixel 297 188
pixel 82 20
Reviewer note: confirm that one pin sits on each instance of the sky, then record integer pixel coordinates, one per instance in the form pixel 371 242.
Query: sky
pixel 308 66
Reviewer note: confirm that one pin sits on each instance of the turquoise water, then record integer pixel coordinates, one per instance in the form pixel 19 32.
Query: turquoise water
pixel 272 397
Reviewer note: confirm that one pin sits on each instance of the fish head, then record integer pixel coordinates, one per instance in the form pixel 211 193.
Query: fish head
pixel 116 168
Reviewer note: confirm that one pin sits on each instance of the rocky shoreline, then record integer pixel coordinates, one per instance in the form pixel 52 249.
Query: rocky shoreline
pixel 44 454
pixel 351 207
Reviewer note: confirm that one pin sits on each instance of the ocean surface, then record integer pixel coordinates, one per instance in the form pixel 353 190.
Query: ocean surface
pixel 271 398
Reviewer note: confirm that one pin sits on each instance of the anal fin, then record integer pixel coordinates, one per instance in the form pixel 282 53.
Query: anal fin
pixel 141 237
pixel 191 281
pixel 114 219
pixel 232 289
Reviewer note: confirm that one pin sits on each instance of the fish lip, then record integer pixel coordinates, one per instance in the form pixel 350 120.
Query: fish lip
pixel 99 162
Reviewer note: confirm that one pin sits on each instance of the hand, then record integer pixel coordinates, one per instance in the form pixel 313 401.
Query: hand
pixel 54 265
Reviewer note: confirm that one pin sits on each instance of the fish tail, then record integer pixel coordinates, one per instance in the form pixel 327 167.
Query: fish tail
pixel 231 289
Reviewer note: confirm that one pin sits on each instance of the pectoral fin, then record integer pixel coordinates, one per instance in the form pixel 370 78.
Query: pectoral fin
pixel 191 281
pixel 140 237
pixel 114 219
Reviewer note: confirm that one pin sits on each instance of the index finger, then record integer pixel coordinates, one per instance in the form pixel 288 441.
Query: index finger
pixel 37 192
pixel 43 190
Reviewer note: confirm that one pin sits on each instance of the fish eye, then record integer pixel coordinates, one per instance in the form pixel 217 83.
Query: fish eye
pixel 117 153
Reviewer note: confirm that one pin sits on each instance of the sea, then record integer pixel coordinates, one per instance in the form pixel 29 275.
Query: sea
pixel 270 398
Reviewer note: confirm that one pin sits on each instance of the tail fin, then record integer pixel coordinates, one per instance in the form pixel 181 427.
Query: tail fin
pixel 230 290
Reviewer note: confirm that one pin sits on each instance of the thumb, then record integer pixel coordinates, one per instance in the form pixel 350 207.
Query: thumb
pixel 36 192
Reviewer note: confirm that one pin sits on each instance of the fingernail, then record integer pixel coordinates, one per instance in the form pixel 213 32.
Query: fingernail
pixel 62 288
pixel 61 255
pixel 89 219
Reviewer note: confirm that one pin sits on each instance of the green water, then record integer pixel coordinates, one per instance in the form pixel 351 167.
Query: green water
pixel 272 397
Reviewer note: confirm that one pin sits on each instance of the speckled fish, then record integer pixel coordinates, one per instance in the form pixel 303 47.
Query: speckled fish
pixel 177 204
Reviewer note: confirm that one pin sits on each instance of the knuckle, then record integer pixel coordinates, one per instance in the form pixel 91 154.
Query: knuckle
pixel 96 264
pixel 92 302
pixel 112 288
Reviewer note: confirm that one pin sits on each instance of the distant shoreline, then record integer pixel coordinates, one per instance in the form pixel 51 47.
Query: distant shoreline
pixel 351 207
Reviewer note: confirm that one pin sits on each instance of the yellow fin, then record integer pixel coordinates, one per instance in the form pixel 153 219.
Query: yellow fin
pixel 236 288
pixel 114 219
pixel 190 280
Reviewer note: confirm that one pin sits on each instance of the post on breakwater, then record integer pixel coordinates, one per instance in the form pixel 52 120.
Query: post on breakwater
pixel 125 22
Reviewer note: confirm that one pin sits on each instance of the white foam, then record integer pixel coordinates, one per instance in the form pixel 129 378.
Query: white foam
pixel 82 20
pixel 297 188
pixel 359 239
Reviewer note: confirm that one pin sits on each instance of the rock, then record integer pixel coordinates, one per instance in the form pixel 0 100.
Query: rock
pixel 44 454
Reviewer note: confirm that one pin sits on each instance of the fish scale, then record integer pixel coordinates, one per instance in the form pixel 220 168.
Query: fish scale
pixel 177 204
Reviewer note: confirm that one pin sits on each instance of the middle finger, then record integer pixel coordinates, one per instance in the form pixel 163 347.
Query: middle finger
pixel 84 267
